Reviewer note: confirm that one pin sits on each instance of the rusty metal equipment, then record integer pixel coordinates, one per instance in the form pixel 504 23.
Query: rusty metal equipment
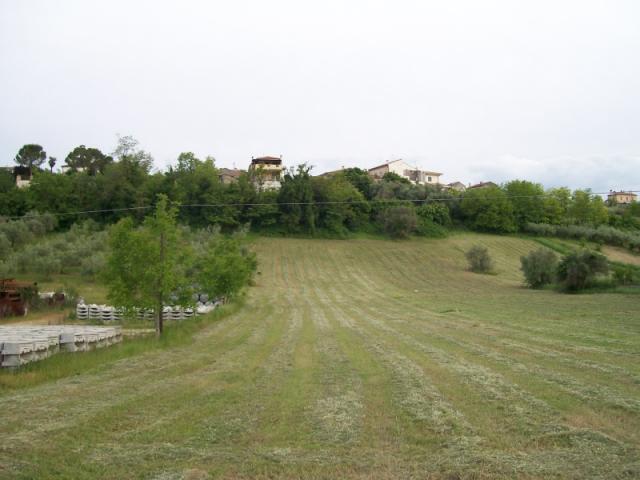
pixel 14 296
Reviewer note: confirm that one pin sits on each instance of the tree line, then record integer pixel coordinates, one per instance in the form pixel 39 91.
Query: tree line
pixel 122 184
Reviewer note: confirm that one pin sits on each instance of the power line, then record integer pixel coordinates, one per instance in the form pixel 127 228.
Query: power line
pixel 328 202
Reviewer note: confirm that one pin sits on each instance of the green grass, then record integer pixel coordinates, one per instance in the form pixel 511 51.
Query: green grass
pixel 354 359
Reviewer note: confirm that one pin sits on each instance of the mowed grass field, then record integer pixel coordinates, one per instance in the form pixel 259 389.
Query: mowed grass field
pixel 358 359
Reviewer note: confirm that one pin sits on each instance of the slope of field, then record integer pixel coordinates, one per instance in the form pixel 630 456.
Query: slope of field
pixel 358 359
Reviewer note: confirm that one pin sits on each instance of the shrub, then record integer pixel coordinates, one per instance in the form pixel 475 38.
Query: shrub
pixel 577 270
pixel 428 228
pixel 539 267
pixel 399 221
pixel 479 259
pixel 623 274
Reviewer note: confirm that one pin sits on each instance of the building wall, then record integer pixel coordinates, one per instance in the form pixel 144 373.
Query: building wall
pixel 622 198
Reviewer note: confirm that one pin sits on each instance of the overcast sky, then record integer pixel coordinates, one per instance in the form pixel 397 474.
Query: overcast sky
pixel 479 90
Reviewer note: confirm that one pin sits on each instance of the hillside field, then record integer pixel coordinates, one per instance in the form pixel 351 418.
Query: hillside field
pixel 358 359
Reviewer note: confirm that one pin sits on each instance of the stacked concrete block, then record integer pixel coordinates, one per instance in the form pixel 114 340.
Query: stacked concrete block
pixel 22 344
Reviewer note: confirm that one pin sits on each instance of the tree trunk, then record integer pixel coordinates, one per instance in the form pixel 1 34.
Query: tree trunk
pixel 159 324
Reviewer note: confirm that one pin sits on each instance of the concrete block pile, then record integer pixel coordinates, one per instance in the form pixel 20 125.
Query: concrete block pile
pixel 107 313
pixel 22 344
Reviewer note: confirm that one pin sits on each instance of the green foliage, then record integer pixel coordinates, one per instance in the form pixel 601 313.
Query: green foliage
pixel 587 209
pixel 17 232
pixel 295 198
pixel 394 177
pixel 488 209
pixel 399 221
pixel 434 212
pixel 31 155
pixel 5 245
pixel 146 265
pixel 527 200
pixel 7 182
pixel 578 270
pixel 335 213
pixel 539 267
pixel 360 179
pixel 479 259
pixel 225 268
pixel 625 274
pixel 603 234
pixel 88 160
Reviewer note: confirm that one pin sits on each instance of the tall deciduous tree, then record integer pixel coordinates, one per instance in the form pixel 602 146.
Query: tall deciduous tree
pixel 488 209
pixel 146 266
pixel 527 199
pixel 31 155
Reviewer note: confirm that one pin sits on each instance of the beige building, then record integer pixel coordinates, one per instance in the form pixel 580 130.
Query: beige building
pixel 266 172
pixel 623 198
pixel 410 172
pixel 457 186
pixel 229 175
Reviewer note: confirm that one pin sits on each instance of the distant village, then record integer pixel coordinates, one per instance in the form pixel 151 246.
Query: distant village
pixel 267 173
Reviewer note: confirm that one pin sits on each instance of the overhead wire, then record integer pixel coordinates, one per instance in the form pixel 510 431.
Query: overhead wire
pixel 325 202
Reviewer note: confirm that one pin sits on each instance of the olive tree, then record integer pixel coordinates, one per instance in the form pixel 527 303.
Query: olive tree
pixel 539 267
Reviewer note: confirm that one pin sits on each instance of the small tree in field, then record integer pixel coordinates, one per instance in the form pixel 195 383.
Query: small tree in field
pixel 539 267
pixel 578 269
pixel 146 265
pixel 479 259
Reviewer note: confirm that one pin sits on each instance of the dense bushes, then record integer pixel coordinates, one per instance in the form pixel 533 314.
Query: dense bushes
pixel 399 221
pixel 539 267
pixel 479 259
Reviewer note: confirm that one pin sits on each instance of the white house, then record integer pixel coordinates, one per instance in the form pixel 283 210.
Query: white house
pixel 410 172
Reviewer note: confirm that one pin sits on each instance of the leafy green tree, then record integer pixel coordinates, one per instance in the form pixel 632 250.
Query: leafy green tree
pixel 295 200
pixel 556 205
pixel 53 193
pixel 146 265
pixel 89 160
pixel 225 268
pixel 52 163
pixel 31 155
pixel 539 267
pixel 586 208
pixel 488 209
pixel 340 205
pixel 577 270
pixel 527 199
pixel 127 151
pixel 360 179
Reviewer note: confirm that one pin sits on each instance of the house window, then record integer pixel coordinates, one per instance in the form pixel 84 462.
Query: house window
pixel 429 179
